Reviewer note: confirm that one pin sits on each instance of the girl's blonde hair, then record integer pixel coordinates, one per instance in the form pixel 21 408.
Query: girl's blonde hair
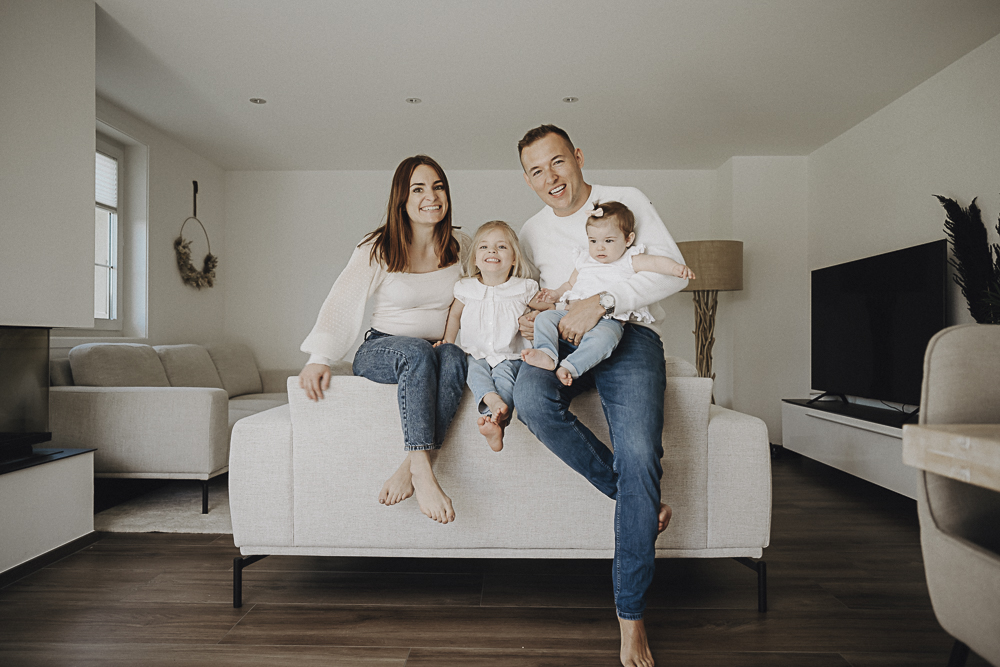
pixel 520 268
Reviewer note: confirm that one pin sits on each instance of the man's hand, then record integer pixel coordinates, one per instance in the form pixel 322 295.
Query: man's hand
pixel 581 317
pixel 315 379
pixel 526 323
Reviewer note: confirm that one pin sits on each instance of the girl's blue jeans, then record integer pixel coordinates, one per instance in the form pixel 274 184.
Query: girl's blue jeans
pixel 430 383
pixel 631 383
pixel 596 346
pixel 500 379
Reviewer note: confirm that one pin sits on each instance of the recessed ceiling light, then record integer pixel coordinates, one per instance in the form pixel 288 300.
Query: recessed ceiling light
pixel 570 100
pixel 258 100
pixel 413 100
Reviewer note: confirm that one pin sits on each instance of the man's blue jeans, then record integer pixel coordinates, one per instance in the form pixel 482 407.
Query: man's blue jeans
pixel 631 383
pixel 431 381
pixel 596 346
pixel 500 379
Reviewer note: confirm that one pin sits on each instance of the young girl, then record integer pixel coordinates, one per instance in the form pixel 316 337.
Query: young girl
pixel 611 259
pixel 486 307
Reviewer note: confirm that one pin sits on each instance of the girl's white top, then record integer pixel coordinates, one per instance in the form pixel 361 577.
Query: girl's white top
pixel 489 318
pixel 593 277
pixel 404 304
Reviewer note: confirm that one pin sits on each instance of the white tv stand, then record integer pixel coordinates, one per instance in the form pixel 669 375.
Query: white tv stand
pixel 850 438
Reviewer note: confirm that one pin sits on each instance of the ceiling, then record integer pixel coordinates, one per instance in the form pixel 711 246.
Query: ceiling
pixel 662 84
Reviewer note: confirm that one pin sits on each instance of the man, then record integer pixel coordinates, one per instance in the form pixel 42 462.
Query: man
pixel 631 382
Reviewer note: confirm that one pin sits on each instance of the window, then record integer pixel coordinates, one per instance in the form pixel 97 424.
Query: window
pixel 106 236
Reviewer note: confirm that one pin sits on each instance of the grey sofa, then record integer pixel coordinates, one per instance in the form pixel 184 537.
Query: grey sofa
pixel 303 480
pixel 162 412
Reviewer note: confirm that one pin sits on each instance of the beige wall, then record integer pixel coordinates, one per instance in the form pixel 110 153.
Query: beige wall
pixel 291 233
pixel 47 170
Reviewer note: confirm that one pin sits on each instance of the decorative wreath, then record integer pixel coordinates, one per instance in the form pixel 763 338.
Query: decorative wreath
pixel 190 275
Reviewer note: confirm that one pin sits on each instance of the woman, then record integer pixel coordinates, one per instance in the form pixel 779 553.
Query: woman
pixel 408 267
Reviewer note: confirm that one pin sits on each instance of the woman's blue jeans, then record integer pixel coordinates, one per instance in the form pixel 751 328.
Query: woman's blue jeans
pixel 631 383
pixel 431 381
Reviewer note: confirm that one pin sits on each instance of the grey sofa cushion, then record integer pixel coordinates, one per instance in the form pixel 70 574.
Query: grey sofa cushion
pixel 116 365
pixel 188 366
pixel 236 367
pixel 60 374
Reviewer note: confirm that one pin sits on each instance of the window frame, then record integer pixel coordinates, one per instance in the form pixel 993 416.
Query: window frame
pixel 113 150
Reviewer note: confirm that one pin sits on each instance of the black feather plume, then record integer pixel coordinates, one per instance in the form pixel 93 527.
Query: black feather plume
pixel 975 270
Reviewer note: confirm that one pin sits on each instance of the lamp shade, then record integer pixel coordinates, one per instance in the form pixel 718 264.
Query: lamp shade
pixel 717 265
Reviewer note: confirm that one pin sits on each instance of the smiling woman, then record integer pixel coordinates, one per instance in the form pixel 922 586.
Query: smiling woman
pixel 408 268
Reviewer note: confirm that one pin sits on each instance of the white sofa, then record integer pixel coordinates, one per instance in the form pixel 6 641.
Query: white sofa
pixel 163 412
pixel 303 480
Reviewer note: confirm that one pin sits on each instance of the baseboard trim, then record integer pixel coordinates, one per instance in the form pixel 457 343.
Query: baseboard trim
pixel 8 577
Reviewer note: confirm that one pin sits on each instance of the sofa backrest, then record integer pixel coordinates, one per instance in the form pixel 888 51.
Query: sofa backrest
pixel 236 367
pixel 116 365
pixel 188 366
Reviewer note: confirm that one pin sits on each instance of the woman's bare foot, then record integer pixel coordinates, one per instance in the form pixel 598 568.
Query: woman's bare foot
pixel 399 487
pixel 663 519
pixel 635 647
pixel 564 375
pixel 432 500
pixel 492 431
pixel 538 359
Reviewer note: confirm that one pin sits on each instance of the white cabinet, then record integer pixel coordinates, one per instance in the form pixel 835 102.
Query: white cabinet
pixel 866 449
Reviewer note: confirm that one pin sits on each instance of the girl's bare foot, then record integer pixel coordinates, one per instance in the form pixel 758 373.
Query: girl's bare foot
pixel 432 500
pixel 663 519
pixel 635 647
pixel 496 405
pixel 492 431
pixel 538 359
pixel 399 487
pixel 564 375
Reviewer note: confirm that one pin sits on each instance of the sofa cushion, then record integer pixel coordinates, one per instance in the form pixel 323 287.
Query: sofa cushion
pixel 236 368
pixel 116 365
pixel 188 366
pixel 60 374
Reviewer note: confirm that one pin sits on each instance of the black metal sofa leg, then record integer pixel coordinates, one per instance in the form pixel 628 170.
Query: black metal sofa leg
pixel 238 564
pixel 204 496
pixel 959 654
pixel 760 567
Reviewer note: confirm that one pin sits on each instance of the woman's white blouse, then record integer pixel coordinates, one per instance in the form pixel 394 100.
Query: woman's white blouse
pixel 489 319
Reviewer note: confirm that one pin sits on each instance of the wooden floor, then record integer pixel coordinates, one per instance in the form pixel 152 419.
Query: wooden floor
pixel 846 588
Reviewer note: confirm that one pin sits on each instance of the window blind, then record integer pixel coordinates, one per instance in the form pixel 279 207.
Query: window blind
pixel 107 181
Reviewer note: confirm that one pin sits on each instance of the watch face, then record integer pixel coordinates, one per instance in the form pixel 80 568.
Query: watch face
pixel 607 301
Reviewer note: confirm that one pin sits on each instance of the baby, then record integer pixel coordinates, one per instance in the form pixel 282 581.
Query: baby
pixel 612 259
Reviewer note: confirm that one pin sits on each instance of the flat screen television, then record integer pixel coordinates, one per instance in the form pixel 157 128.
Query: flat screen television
pixel 872 319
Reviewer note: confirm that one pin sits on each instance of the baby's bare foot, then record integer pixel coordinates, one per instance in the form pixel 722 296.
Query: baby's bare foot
pixel 564 375
pixel 431 498
pixel 538 359
pixel 399 487
pixel 663 519
pixel 492 431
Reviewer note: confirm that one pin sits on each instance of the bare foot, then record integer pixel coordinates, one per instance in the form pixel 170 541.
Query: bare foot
pixel 663 520
pixel 496 405
pixel 432 500
pixel 399 487
pixel 492 431
pixel 564 376
pixel 538 359
pixel 635 646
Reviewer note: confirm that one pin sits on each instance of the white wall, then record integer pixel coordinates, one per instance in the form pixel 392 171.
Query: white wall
pixel 47 171
pixel 291 233
pixel 177 313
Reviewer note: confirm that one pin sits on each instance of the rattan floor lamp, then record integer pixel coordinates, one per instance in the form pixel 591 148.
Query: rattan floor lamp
pixel 718 267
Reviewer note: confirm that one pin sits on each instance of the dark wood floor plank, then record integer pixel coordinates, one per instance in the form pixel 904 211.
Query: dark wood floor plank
pixel 25 654
pixel 938 659
pixel 57 585
pixel 361 588
pixel 166 556
pixel 421 657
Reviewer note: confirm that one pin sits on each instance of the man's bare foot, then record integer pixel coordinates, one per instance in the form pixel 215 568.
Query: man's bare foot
pixel 663 520
pixel 635 646
pixel 492 431
pixel 432 500
pixel 399 487
pixel 564 376
pixel 538 359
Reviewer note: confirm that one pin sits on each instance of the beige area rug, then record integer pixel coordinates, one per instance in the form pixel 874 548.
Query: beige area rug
pixel 172 508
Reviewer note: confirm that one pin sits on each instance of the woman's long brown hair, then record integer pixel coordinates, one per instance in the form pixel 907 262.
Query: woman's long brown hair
pixel 391 241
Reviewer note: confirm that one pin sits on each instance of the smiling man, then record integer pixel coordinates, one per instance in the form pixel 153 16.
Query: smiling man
pixel 631 382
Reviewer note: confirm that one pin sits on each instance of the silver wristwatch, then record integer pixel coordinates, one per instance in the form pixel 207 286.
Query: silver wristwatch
pixel 607 303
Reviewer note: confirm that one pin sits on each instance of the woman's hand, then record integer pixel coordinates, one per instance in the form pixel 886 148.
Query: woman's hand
pixel 315 378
